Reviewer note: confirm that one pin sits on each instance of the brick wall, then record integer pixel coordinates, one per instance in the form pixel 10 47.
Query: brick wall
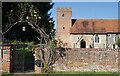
pixel 0 60
pixel 6 59
pixel 87 60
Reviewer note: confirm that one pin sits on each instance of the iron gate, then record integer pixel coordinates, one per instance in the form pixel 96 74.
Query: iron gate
pixel 22 61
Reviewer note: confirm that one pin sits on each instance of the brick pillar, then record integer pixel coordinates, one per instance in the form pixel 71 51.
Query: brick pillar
pixel 6 59
pixel 0 60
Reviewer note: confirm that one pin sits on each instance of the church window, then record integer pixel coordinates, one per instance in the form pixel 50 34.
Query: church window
pixel 63 27
pixel 96 38
pixel 62 15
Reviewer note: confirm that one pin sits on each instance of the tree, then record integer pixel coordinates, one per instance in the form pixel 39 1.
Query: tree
pixel 36 11
pixel 35 16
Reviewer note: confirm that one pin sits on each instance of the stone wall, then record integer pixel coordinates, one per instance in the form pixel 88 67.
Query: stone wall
pixel 99 60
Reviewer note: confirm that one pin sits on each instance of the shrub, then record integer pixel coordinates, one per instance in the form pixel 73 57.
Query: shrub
pixel 118 43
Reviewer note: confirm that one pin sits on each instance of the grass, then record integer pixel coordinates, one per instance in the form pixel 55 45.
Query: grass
pixel 7 74
pixel 69 74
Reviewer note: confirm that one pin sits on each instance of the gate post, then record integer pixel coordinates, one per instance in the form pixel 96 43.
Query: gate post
pixel 6 67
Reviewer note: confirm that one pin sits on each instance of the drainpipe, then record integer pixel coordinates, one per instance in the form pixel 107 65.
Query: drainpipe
pixel 106 40
pixel 93 40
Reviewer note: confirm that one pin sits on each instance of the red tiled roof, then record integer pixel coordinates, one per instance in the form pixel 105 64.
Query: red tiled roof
pixel 94 26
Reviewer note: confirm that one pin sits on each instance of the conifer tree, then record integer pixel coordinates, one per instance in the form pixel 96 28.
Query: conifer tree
pixel 37 12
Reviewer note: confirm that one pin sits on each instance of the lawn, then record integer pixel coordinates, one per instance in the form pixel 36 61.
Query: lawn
pixel 68 74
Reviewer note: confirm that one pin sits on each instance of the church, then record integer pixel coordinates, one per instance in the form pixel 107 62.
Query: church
pixel 86 33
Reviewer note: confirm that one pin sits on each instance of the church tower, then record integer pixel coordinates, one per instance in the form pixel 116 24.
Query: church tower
pixel 64 18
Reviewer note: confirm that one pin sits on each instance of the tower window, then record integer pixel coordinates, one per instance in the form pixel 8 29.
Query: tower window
pixel 97 39
pixel 63 27
pixel 62 15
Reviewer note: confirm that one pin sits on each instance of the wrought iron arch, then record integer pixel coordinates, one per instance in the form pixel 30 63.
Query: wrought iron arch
pixel 33 26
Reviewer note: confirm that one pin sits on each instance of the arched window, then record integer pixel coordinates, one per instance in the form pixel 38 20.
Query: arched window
pixel 96 39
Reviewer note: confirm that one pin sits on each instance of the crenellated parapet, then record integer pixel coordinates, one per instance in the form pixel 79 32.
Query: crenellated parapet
pixel 64 9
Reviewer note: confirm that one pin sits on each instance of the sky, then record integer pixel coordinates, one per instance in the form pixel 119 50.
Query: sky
pixel 89 10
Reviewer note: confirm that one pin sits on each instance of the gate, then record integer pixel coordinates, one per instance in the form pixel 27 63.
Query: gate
pixel 22 61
